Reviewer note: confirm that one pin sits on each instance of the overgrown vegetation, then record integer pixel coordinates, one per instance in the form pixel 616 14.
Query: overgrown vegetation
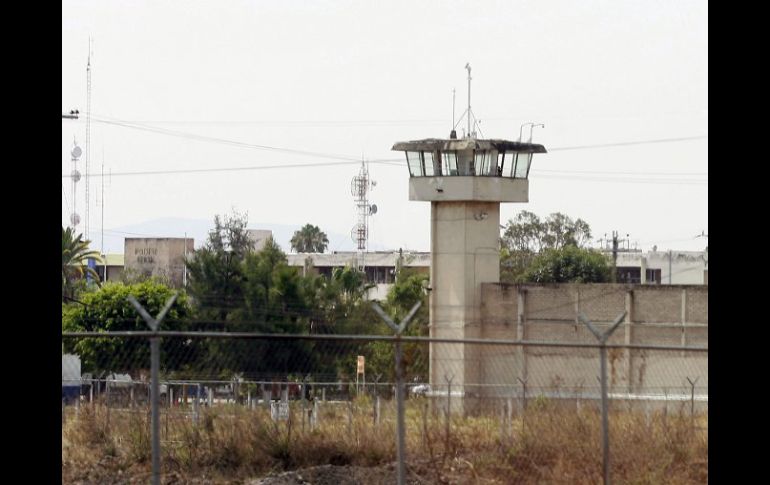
pixel 234 288
pixel 231 444
pixel 75 272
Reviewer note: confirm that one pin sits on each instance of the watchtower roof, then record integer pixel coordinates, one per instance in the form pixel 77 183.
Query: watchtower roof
pixel 440 144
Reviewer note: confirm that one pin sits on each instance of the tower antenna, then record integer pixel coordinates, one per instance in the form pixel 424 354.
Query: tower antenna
pixel 359 188
pixel 453 108
pixel 88 141
pixel 75 154
pixel 105 267
pixel 468 67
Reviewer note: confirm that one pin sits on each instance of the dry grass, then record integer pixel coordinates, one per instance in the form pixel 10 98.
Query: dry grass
pixel 230 444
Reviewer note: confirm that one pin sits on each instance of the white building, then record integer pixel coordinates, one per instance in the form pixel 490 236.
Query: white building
pixel 380 265
pixel 662 267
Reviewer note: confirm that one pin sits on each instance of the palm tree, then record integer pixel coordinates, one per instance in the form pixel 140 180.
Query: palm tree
pixel 74 253
pixel 309 239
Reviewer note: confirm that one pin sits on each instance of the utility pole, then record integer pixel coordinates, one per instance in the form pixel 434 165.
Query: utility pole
pixel 615 245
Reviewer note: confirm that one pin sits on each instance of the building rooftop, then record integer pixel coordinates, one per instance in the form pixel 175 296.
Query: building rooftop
pixel 378 258
pixel 440 144
pixel 113 260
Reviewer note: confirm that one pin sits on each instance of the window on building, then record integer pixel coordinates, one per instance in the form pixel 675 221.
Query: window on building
pixel 429 164
pixel 415 164
pixel 522 165
pixel 450 162
pixel 629 275
pixel 653 276
pixel 633 275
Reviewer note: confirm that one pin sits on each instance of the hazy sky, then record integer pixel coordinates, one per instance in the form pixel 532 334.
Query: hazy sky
pixel 174 84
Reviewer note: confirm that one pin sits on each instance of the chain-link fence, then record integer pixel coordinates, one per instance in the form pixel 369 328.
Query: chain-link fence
pixel 242 406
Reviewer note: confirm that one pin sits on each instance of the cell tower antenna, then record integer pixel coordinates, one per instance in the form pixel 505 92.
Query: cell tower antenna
pixel 75 154
pixel 88 142
pixel 359 189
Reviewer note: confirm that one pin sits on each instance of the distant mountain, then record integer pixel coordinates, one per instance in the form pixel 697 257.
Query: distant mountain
pixel 198 229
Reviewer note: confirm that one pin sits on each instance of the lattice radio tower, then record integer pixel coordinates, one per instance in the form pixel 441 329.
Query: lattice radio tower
pixel 359 188
pixel 87 234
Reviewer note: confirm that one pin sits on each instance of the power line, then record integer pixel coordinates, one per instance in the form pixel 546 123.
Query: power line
pixel 230 169
pixel 627 180
pixel 64 193
pixel 627 143
pixel 193 136
pixel 578 172
pixel 284 123
pixel 392 161
pixel 182 134
pixel 327 164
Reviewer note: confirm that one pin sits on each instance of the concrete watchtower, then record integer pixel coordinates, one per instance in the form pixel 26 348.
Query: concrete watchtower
pixel 465 181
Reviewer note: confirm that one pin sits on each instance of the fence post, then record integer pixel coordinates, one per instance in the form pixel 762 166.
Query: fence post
pixel 314 416
pixel 376 400
pixel 523 382
pixel 448 405
pixel 107 404
pixel 196 403
pixel 153 323
pixel 400 439
pixel 267 397
pixel 602 338
pixel 350 418
pixel 692 401
pixel 425 424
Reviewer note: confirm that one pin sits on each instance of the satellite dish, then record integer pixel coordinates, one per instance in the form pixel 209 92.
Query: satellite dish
pixel 373 209
pixel 76 152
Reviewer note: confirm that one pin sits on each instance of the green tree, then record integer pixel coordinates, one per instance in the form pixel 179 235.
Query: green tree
pixel 569 264
pixel 527 235
pixel 235 288
pixel 309 239
pixel 108 309
pixel 74 256
pixel 215 272
pixel 402 296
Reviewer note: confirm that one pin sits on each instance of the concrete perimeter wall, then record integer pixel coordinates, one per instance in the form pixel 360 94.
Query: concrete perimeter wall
pixel 656 315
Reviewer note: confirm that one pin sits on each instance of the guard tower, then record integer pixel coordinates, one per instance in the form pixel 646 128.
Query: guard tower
pixel 465 180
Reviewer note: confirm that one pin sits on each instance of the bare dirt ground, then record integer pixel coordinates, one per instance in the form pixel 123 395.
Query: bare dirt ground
pixel 317 475
pixel 337 475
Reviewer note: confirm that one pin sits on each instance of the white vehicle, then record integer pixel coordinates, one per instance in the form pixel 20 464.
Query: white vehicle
pixel 70 377
pixel 420 390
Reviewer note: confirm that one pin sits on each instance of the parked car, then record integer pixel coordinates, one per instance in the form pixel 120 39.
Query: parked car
pixel 420 390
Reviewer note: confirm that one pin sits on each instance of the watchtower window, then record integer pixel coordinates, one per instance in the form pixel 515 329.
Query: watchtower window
pixel 522 165
pixel 414 160
pixel 449 165
pixel 486 163
pixel 431 164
